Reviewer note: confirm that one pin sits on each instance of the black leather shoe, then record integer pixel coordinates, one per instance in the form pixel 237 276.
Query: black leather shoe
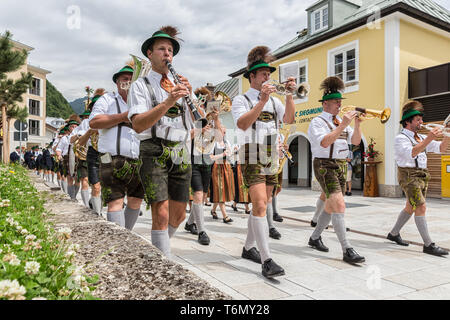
pixel 192 228
pixel 397 239
pixel 277 217
pixel 203 238
pixel 141 213
pixel 273 233
pixel 270 269
pixel 252 254
pixel 318 244
pixel 351 256
pixel 90 205
pixel 313 224
pixel 435 250
pixel 234 208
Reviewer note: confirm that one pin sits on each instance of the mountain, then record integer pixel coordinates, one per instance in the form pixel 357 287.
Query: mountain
pixel 78 105
pixel 57 105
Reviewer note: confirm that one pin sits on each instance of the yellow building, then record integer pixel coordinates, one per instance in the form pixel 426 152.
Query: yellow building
pixel 35 101
pixel 375 47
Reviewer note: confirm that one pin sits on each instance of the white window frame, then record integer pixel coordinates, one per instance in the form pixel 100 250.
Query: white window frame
pixel 313 19
pixel 41 89
pixel 35 115
pixel 39 129
pixel 350 86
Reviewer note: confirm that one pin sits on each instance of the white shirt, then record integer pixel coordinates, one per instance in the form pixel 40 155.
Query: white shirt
pixel 241 106
pixel 107 138
pixel 63 145
pixel 403 150
pixel 318 129
pixel 82 129
pixel 139 100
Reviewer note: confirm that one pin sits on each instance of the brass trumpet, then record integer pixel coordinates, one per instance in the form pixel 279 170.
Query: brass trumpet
pixel 301 91
pixel 369 114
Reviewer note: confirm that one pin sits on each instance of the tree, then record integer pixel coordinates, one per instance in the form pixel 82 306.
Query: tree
pixel 11 91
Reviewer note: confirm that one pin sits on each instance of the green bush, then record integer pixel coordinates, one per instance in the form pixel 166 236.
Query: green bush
pixel 36 261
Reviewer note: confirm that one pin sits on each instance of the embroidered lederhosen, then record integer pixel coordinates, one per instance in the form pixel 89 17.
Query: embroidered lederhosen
pixel 166 170
pixel 331 173
pixel 414 181
pixel 120 177
pixel 256 170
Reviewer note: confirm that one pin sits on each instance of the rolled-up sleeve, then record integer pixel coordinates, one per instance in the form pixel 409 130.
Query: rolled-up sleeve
pixel 100 107
pixel 434 146
pixel 403 148
pixel 138 101
pixel 238 109
pixel 316 132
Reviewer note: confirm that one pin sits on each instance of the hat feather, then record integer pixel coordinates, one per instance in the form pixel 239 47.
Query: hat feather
pixel 260 53
pixel 203 91
pixel 332 85
pixel 171 31
pixel 99 92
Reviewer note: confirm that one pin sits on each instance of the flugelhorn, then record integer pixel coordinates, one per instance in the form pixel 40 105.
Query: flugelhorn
pixel 444 127
pixel 301 91
pixel 369 114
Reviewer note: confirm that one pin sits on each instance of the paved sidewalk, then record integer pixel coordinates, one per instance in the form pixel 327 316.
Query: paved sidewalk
pixel 390 271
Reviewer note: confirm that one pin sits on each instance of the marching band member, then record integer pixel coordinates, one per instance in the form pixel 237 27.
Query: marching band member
pixel 163 123
pixel 92 159
pixel 119 153
pixel 330 136
pixel 58 164
pixel 81 165
pixel 413 175
pixel 201 175
pixel 256 116
pixel 72 181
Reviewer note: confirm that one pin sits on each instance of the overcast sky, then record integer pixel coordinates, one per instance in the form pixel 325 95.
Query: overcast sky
pixel 84 42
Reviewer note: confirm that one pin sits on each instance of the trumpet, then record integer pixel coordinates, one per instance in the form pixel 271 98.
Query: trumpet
pixel 369 114
pixel 301 91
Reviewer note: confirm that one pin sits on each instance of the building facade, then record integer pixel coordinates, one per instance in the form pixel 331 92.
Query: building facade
pixel 35 101
pixel 373 46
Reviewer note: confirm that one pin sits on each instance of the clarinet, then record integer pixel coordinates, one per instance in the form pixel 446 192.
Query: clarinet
pixel 187 98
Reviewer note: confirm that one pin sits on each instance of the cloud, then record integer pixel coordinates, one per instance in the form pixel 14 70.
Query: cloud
pixel 217 35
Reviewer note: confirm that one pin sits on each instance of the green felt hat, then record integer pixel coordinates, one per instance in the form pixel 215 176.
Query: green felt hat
pixel 124 69
pixel 160 35
pixel 258 65
pixel 71 122
pixel 409 114
pixel 331 96
pixel 94 100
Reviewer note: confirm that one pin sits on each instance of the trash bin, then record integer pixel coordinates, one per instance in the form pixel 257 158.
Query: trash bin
pixel 445 176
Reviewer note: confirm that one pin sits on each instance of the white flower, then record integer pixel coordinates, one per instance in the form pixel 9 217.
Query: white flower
pixel 17 242
pixel 64 233
pixel 30 237
pixel 10 256
pixel 70 254
pixel 32 267
pixel 24 231
pixel 15 262
pixel 12 290
pixel 78 270
pixel 1 250
pixel 31 208
pixel 10 221
pixel 74 247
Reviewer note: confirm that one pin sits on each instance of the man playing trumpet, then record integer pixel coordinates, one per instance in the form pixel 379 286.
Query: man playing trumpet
pixel 413 175
pixel 330 136
pixel 256 115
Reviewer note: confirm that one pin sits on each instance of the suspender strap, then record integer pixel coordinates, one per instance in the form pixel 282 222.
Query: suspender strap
pixel 254 123
pixel 119 129
pixel 331 129
pixel 412 143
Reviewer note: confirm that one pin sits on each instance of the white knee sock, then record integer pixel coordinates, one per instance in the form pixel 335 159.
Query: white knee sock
pixel 197 210
pixel 261 232
pixel 250 242
pixel 341 231
pixel 116 217
pixel 131 216
pixel 269 215
pixel 97 204
pixel 161 240
pixel 85 197
pixel 319 209
pixel 172 231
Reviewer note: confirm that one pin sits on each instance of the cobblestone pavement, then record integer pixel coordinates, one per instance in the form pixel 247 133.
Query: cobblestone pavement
pixel 390 271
